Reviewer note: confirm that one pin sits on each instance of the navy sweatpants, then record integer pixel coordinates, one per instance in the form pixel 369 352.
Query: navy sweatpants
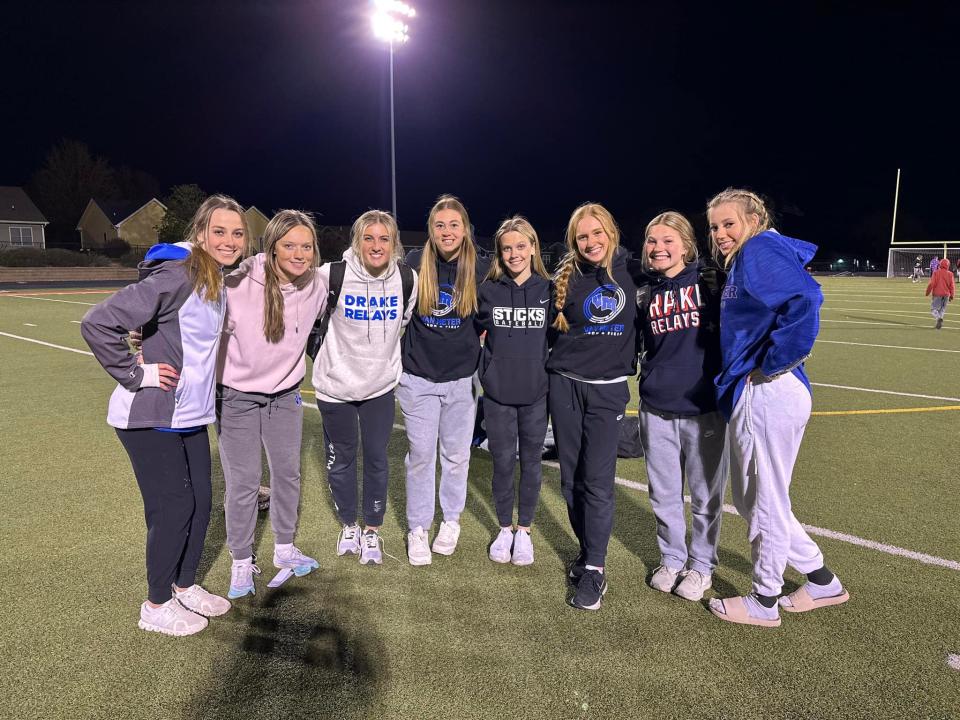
pixel 586 423
pixel 173 472
pixel 511 428
pixel 340 437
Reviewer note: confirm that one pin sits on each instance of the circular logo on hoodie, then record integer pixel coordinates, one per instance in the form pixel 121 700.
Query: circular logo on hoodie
pixel 444 301
pixel 604 303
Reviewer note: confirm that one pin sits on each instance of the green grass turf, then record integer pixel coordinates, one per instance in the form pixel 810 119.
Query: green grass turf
pixel 465 637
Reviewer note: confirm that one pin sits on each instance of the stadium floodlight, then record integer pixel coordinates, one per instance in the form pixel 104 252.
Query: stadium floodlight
pixel 388 25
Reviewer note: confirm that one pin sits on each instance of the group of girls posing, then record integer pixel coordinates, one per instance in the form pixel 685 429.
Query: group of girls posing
pixel 570 345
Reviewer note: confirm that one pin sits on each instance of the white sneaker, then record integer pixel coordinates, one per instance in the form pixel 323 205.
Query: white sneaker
pixel 349 540
pixel 418 547
pixel 664 579
pixel 196 599
pixel 370 552
pixel 693 585
pixel 241 578
pixel 522 549
pixel 500 548
pixel 293 559
pixel 171 618
pixel 446 541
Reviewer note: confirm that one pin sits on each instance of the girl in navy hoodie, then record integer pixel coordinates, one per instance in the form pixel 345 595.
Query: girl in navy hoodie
pixel 593 353
pixel 682 432
pixel 769 317
pixel 514 305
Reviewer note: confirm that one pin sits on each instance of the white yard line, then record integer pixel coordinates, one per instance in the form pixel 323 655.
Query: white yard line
pixel 29 325
pixel 76 322
pixel 27 297
pixel 822 532
pixel 41 342
pixel 885 392
pixel 892 347
pixel 866 322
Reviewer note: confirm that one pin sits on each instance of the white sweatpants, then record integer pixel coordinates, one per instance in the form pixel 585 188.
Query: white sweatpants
pixel 765 434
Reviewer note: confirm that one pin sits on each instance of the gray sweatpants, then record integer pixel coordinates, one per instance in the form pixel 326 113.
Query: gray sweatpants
pixel 694 449
pixel 765 433
pixel 244 422
pixel 431 412
pixel 938 306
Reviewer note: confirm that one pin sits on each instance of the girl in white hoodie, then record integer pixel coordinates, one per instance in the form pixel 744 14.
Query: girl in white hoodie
pixel 355 373
pixel 272 301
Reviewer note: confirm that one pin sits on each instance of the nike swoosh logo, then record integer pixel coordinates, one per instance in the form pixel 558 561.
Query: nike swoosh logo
pixel 544 301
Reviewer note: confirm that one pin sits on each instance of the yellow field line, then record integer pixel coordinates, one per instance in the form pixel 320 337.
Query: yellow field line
pixel 824 413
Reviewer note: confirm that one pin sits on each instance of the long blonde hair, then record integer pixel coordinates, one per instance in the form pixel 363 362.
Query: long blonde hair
pixel 372 217
pixel 521 225
pixel 569 263
pixel 465 286
pixel 282 223
pixel 749 203
pixel 206 275
pixel 674 221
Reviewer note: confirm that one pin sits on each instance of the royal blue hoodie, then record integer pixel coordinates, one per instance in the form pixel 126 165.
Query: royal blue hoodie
pixel 516 319
pixel 442 346
pixel 601 343
pixel 769 313
pixel 681 343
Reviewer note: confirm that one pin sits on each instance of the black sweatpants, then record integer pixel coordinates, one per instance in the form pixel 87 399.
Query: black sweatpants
pixel 505 425
pixel 586 419
pixel 173 472
pixel 340 439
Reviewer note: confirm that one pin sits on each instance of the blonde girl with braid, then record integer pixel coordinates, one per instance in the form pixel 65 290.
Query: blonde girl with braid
pixel 769 318
pixel 593 353
pixel 272 301
pixel 440 353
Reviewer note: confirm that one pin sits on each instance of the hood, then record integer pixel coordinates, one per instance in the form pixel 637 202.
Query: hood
pixel 163 253
pixel 252 267
pixel 945 264
pixel 803 249
pixel 356 265
pixel 620 258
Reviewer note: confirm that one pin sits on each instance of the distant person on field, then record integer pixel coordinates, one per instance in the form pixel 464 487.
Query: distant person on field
pixel 681 428
pixel 941 286
pixel 918 269
pixel 934 264
pixel 162 406
pixel 769 317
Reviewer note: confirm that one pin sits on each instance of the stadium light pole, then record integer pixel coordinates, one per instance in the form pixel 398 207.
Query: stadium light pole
pixel 389 26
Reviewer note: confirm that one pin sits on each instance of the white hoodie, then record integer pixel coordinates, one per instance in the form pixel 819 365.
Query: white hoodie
pixel 360 356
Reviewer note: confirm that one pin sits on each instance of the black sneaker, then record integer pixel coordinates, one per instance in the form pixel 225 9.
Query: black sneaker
pixel 590 590
pixel 939 323
pixel 576 569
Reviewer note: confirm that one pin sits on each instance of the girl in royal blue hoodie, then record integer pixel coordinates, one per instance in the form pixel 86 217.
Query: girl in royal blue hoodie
pixel 769 317
pixel 593 353
pixel 682 431
pixel 514 309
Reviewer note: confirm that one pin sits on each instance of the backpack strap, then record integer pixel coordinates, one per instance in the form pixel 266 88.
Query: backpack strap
pixel 406 280
pixel 322 323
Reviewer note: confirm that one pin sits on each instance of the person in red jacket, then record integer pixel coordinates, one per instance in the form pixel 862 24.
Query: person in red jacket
pixel 942 288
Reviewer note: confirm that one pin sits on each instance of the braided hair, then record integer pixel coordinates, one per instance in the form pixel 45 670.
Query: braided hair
pixel 749 204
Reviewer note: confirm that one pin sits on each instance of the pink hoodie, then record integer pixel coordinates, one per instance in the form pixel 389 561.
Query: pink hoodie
pixel 248 362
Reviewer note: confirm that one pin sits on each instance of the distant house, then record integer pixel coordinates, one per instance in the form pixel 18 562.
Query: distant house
pixel 104 221
pixel 257 223
pixel 21 223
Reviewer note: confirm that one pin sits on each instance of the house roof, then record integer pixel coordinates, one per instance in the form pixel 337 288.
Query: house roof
pixel 120 211
pixel 16 206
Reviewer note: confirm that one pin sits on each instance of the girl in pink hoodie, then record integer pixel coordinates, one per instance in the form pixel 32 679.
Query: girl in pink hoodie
pixel 272 301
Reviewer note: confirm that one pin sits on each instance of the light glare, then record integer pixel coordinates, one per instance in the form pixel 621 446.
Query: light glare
pixel 385 23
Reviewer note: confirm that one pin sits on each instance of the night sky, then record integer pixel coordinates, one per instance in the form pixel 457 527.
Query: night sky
pixel 517 107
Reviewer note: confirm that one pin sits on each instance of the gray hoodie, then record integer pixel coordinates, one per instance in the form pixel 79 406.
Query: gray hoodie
pixel 360 356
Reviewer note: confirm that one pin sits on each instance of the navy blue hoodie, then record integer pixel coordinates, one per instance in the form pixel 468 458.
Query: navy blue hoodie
pixel 601 343
pixel 516 319
pixel 681 342
pixel 442 346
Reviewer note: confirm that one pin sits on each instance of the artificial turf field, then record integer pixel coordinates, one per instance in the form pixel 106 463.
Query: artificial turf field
pixel 464 637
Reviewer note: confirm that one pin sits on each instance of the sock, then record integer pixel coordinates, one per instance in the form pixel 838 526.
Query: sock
pixel 830 589
pixel 282 547
pixel 823 576
pixel 768 601
pixel 594 567
pixel 755 608
pixel 242 561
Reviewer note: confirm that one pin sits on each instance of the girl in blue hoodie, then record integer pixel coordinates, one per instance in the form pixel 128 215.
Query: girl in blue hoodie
pixel 769 317
pixel 682 432
pixel 514 305
pixel 593 353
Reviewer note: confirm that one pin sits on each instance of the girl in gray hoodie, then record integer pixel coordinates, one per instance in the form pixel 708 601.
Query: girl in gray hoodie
pixel 355 373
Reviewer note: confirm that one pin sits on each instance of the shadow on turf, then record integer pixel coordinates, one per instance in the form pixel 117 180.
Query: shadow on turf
pixel 297 651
